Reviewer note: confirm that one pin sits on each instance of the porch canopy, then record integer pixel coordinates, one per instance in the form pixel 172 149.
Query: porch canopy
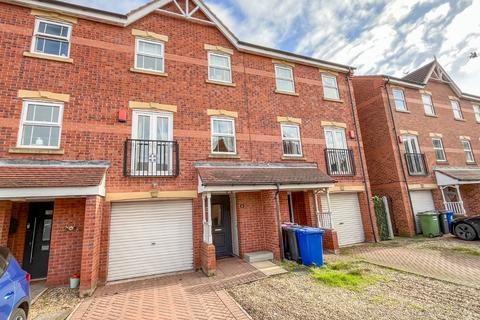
pixel 251 177
pixel 34 179
pixel 232 177
pixel 457 176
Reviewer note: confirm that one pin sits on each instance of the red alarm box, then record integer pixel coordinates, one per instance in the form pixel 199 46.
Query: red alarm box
pixel 351 134
pixel 122 116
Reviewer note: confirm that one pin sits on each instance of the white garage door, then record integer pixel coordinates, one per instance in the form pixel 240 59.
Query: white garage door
pixel 347 217
pixel 148 238
pixel 421 201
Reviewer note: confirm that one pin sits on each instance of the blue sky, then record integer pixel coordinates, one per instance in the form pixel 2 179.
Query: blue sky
pixel 376 36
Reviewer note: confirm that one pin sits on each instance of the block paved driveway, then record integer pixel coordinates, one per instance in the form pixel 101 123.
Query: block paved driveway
pixel 431 258
pixel 184 296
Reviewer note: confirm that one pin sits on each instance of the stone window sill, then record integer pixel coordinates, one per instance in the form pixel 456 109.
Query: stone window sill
pixel 461 120
pixel 35 151
pixel 287 93
pixel 43 56
pixel 431 115
pixel 150 72
pixel 294 158
pixel 226 84
pixel 223 156
pixel 333 100
pixel 402 111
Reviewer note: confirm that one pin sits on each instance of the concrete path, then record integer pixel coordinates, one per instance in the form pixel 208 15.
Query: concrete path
pixel 185 296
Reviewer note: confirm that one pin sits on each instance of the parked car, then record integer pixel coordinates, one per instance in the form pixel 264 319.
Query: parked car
pixel 466 228
pixel 14 288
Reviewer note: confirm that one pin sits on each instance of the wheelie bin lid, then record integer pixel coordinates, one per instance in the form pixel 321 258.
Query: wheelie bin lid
pixel 427 213
pixel 310 231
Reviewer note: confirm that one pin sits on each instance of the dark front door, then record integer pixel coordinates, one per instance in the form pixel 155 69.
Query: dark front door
pixel 37 241
pixel 221 226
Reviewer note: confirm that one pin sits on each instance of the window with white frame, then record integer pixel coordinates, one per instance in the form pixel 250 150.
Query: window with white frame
pixel 439 150
pixel 150 55
pixel 223 135
pixel 219 67
pixel 52 38
pixel 330 87
pixel 457 110
pixel 428 105
pixel 476 110
pixel 399 98
pixel 292 145
pixel 41 125
pixel 284 78
pixel 467 148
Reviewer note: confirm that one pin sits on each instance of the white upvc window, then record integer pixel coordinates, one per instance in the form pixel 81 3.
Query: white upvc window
pixel 439 149
pixel 330 87
pixel 467 148
pixel 223 136
pixel 457 110
pixel 476 110
pixel 399 98
pixel 428 105
pixel 219 67
pixel 292 144
pixel 284 78
pixel 150 55
pixel 51 38
pixel 41 125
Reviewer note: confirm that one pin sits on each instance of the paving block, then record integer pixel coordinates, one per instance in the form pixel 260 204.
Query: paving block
pixel 258 256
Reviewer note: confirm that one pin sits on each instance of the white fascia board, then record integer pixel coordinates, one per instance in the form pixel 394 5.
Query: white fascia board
pixel 252 188
pixel 62 192
pixel 469 97
pixel 403 83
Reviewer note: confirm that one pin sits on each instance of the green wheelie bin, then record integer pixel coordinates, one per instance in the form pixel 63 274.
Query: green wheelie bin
pixel 430 224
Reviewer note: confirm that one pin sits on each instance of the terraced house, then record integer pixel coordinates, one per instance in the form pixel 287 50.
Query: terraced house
pixel 156 142
pixel 422 143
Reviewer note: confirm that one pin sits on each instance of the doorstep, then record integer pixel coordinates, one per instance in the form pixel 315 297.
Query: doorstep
pixel 268 268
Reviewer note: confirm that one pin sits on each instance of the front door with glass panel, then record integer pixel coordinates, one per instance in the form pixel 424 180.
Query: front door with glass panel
pixel 152 146
pixel 37 239
pixel 337 153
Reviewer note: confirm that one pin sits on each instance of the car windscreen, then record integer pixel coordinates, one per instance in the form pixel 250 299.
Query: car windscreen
pixel 4 256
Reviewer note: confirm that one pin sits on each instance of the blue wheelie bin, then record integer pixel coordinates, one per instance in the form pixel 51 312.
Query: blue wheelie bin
pixel 310 243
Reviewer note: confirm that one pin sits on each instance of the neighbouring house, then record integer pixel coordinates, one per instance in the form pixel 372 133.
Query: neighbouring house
pixel 421 136
pixel 156 142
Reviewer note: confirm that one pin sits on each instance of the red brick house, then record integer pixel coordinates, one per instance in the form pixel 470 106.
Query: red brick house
pixel 421 136
pixel 155 142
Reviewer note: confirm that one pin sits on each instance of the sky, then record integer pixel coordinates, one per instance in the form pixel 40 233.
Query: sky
pixel 390 37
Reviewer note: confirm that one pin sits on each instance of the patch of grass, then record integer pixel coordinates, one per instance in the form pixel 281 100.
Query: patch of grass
pixel 292 266
pixel 347 275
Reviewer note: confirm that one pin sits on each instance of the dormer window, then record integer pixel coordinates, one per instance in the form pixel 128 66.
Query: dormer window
pixel 52 38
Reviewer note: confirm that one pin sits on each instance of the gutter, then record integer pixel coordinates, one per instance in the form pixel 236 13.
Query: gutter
pixel 364 173
pixel 398 147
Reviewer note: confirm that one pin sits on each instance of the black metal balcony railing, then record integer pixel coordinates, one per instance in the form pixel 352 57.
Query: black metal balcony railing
pixel 340 162
pixel 151 158
pixel 416 164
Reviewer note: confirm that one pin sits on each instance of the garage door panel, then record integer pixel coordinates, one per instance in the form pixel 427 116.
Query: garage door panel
pixel 421 201
pixel 148 238
pixel 347 217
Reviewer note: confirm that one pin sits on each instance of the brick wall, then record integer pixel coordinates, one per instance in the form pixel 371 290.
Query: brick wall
pixel 16 240
pixel 66 246
pixel 5 215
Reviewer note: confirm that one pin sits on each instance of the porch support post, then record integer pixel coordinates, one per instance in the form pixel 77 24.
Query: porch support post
pixel 5 216
pixel 317 210
pixel 329 205
pixel 209 208
pixel 204 218
pixel 442 191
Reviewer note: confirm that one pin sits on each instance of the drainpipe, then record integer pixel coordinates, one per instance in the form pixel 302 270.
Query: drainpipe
pixel 404 174
pixel 279 224
pixel 356 125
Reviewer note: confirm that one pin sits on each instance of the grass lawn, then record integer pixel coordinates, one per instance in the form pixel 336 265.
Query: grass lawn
pixel 355 290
